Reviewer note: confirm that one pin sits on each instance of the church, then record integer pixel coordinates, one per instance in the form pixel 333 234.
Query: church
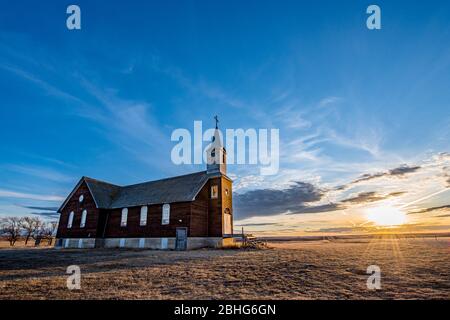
pixel 184 212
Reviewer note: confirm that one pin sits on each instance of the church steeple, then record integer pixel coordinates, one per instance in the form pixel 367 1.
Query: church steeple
pixel 217 121
pixel 217 155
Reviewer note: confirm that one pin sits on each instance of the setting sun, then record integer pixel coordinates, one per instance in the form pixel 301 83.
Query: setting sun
pixel 386 216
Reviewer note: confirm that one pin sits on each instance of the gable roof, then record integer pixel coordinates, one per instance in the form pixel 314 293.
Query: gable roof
pixel 177 189
pixel 102 192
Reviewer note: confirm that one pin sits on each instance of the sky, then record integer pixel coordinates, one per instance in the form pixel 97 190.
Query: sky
pixel 363 115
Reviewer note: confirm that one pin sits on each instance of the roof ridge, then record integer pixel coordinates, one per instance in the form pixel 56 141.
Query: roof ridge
pixel 164 179
pixel 101 181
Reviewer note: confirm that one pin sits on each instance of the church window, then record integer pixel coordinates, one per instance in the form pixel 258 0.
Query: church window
pixel 123 220
pixel 214 192
pixel 83 219
pixel 69 224
pixel 143 220
pixel 165 214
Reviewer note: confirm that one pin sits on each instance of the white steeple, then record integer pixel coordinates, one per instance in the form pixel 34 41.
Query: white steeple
pixel 217 155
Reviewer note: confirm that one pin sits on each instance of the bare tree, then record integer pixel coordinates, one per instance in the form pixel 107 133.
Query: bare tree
pixel 48 230
pixel 31 226
pixel 11 227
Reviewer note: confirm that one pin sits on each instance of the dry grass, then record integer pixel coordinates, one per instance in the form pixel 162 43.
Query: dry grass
pixel 411 269
pixel 21 244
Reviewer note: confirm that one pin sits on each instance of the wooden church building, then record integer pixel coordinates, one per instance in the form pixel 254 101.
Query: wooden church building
pixel 184 212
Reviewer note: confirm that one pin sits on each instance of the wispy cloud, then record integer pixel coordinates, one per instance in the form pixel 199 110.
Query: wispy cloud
pixel 46 86
pixel 432 209
pixel 205 88
pixel 371 196
pixel 327 101
pixel 39 172
pixel 400 171
pixel 20 195
pixel 40 208
pixel 50 215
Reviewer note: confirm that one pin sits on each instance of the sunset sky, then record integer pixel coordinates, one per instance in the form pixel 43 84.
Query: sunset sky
pixel 364 115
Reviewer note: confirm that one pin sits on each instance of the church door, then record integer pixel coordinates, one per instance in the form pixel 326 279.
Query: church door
pixel 227 226
pixel 181 239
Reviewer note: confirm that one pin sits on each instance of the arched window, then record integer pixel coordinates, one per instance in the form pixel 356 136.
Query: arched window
pixel 227 222
pixel 165 214
pixel 143 220
pixel 83 219
pixel 123 220
pixel 214 192
pixel 69 223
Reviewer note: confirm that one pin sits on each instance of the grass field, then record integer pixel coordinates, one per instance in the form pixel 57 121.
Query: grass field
pixel 410 269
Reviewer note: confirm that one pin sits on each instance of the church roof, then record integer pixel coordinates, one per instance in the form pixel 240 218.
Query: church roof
pixel 176 189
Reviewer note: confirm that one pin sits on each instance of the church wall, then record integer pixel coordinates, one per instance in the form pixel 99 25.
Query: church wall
pixel 90 229
pixel 179 217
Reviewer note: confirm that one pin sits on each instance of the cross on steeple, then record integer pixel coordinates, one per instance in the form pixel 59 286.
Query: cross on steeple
pixel 217 121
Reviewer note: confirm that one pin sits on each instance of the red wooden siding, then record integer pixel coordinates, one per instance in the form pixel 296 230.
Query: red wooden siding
pixel 203 217
pixel 90 229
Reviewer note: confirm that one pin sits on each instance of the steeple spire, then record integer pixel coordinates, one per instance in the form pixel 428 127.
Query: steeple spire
pixel 217 121
pixel 217 154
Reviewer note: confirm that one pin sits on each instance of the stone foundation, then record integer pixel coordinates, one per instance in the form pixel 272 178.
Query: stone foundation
pixel 142 243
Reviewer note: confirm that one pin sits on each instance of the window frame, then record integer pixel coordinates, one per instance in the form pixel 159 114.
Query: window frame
pixel 165 214
pixel 143 222
pixel 214 194
pixel 124 222
pixel 70 220
pixel 83 218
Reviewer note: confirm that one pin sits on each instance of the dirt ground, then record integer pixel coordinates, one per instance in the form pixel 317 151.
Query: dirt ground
pixel 410 269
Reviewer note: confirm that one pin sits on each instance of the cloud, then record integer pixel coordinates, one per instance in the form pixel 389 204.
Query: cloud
pixel 443 216
pixel 447 175
pixel 371 196
pixel 320 208
pixel 331 230
pixel 46 214
pixel 47 87
pixel 266 202
pixel 41 208
pixel 19 195
pixel 296 200
pixel 431 209
pixel 128 123
pixel 396 172
pixel 326 101
pixel 363 197
pixel 201 87
pixel 256 224
pixel 39 172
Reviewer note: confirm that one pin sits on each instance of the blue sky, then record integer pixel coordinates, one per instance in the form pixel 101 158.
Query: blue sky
pixel 348 101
